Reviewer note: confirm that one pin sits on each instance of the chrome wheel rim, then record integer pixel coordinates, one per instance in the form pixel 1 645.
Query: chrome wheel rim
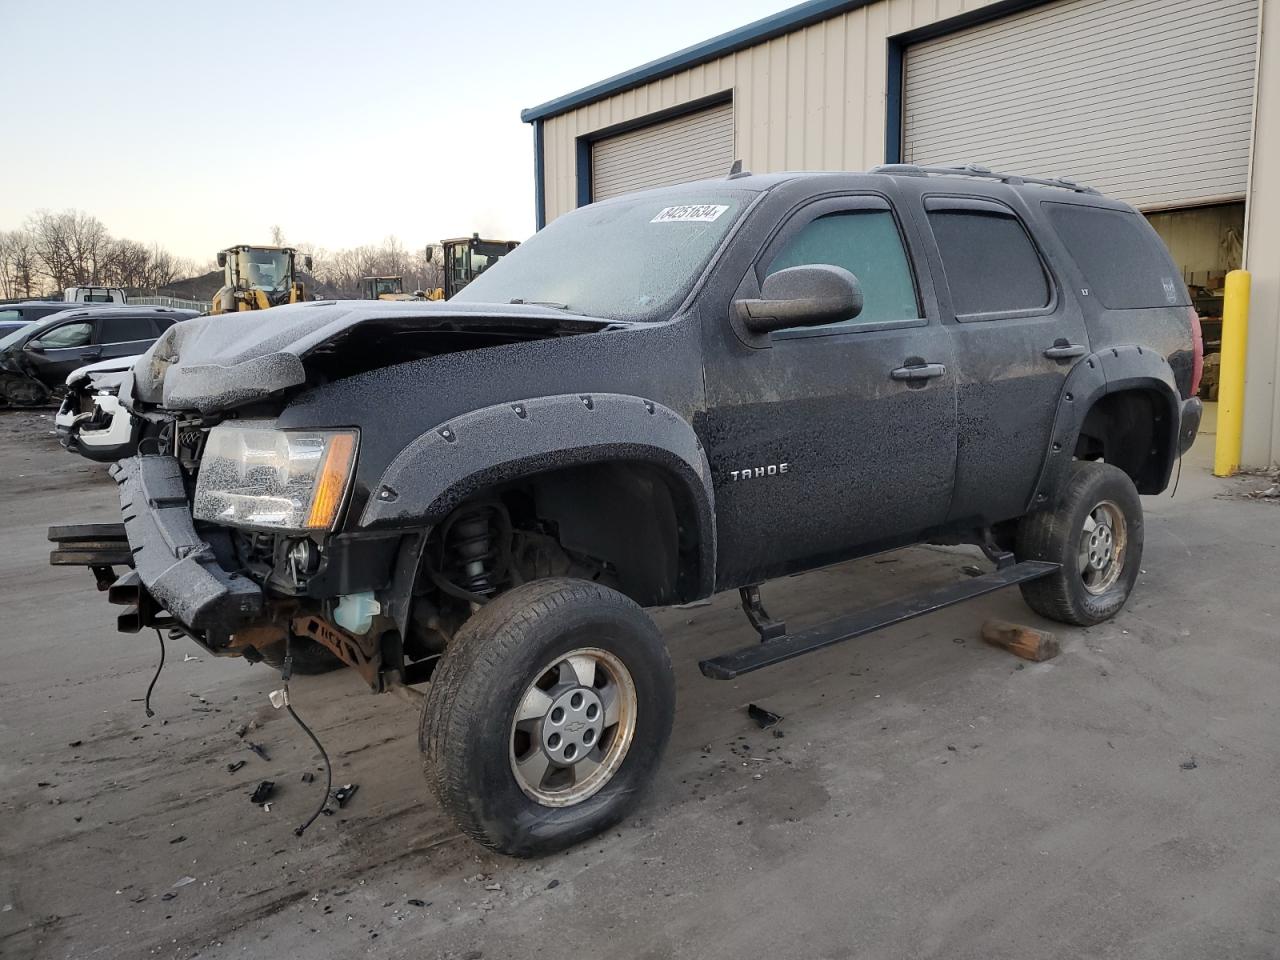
pixel 1104 541
pixel 573 726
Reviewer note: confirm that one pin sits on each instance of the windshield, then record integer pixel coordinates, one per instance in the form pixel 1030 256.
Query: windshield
pixel 11 338
pixel 383 285
pixel 634 258
pixel 264 269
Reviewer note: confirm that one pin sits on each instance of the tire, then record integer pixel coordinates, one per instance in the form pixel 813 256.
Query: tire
pixel 310 658
pixel 23 392
pixel 474 747
pixel 1104 495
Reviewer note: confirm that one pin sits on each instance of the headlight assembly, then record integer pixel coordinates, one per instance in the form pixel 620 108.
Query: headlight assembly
pixel 252 475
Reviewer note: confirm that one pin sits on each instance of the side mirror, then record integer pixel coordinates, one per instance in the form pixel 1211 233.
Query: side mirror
pixel 35 348
pixel 222 258
pixel 806 296
pixel 431 253
pixel 306 263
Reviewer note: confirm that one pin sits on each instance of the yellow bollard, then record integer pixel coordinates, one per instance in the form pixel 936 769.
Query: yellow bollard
pixel 1235 338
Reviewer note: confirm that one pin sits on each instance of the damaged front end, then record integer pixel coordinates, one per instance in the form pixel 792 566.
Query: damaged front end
pixel 233 529
pixel 230 539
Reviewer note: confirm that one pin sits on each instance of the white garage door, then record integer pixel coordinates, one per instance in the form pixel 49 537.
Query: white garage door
pixel 691 147
pixel 1146 100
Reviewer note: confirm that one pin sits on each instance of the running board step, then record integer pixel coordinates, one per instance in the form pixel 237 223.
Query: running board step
pixel 768 652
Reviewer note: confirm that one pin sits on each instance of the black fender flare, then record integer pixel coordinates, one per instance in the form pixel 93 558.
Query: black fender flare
pixel 1111 370
pixel 452 461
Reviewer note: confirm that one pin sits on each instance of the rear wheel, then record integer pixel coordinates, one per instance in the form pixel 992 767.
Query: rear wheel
pixel 1095 534
pixel 547 716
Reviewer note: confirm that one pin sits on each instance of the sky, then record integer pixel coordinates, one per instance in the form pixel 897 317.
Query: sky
pixel 199 125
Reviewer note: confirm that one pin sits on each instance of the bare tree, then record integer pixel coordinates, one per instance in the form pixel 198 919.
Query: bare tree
pixel 18 264
pixel 73 247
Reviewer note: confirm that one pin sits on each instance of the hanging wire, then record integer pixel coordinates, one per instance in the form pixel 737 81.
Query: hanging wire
pixel 286 672
pixel 146 703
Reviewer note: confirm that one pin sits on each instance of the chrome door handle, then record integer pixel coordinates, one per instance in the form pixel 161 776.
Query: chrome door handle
pixel 924 371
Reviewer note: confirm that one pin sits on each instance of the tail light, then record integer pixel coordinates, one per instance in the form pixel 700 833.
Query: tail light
pixel 1197 351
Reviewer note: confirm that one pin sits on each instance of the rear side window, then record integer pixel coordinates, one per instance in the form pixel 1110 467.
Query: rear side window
pixel 1122 259
pixel 990 262
pixel 10 315
pixel 126 329
pixel 868 245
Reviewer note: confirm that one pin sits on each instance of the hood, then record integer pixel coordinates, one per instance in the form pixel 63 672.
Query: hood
pixel 100 371
pixel 221 362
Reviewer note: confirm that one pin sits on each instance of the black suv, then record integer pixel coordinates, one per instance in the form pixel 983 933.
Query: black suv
pixel 36 358
pixel 657 397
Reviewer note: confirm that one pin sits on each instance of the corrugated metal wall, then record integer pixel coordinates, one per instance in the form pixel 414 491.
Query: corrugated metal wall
pixel 810 100
pixel 691 147
pixel 1150 101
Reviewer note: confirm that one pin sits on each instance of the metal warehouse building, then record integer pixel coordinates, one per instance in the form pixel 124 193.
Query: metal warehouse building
pixel 1172 105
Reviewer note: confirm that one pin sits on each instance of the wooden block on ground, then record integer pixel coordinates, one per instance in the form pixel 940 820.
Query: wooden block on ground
pixel 1023 641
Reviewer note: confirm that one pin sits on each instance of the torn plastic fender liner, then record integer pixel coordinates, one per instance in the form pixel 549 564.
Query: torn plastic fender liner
pixel 178 569
pixel 495 444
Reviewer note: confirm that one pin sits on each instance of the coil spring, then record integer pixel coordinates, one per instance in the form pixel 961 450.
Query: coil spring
pixel 475 541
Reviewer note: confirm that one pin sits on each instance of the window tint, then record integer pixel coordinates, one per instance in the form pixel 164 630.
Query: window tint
pixel 990 263
pixel 125 329
pixel 1122 259
pixel 868 245
pixel 67 335
pixel 163 323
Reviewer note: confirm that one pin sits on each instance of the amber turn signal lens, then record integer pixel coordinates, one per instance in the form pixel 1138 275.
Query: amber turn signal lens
pixel 332 482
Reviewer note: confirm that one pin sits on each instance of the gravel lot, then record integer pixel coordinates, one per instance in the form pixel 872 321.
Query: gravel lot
pixel 925 796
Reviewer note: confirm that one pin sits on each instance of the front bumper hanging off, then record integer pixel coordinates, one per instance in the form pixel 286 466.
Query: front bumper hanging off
pixel 173 568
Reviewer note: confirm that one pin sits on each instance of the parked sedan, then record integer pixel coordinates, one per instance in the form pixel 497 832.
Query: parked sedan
pixel 36 359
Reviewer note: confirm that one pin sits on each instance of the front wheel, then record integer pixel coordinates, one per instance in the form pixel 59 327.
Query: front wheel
pixel 547 716
pixel 23 392
pixel 1095 534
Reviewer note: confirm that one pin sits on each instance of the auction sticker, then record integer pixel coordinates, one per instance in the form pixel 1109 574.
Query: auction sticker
pixel 691 213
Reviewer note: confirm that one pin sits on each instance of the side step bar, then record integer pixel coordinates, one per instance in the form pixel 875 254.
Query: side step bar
pixel 768 652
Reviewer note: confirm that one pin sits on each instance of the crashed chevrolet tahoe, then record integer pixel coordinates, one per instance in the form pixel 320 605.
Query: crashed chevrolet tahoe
pixel 657 397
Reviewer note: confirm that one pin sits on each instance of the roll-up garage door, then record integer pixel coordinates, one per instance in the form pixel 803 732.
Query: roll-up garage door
pixel 691 147
pixel 1147 100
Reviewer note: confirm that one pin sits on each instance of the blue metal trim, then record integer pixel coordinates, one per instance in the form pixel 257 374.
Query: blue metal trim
pixel 539 179
pixel 893 103
pixel 583 166
pixel 769 27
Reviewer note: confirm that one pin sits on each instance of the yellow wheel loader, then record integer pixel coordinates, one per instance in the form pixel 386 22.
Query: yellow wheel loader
pixel 257 278
pixel 392 288
pixel 465 258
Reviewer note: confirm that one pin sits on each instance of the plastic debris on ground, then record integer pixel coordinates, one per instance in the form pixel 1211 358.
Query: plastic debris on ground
pixel 763 718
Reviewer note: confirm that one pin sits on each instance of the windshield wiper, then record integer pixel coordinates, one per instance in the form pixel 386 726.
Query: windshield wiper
pixel 540 303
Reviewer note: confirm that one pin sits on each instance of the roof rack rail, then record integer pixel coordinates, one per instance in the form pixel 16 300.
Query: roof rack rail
pixel 974 170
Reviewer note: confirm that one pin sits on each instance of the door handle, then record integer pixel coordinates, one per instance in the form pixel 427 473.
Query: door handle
pixel 922 371
pixel 1062 350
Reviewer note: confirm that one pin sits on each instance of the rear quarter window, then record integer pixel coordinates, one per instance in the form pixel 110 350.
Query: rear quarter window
pixel 1123 262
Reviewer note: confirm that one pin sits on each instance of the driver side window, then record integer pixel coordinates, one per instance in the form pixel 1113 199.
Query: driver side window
pixel 67 335
pixel 868 245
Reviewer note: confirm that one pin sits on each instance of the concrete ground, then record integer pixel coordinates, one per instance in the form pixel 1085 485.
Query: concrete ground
pixel 925 796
